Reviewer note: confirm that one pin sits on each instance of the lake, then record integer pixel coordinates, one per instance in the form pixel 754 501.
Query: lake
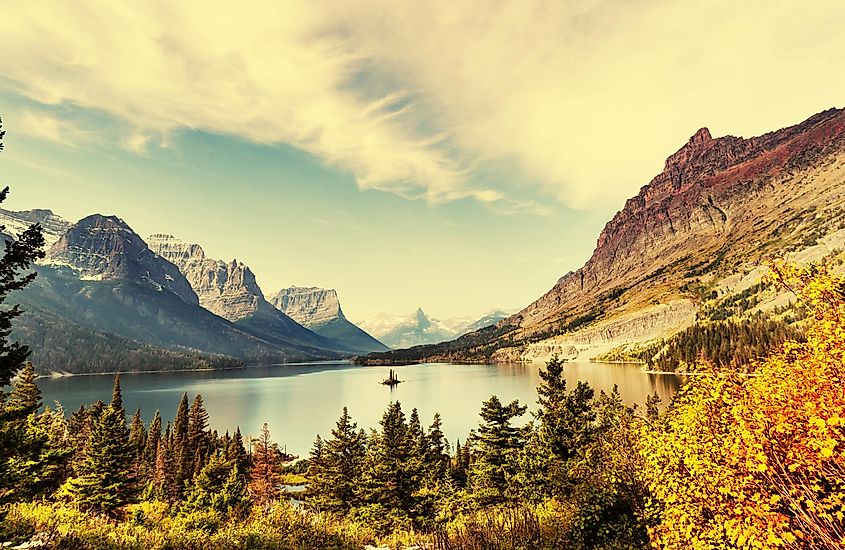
pixel 300 401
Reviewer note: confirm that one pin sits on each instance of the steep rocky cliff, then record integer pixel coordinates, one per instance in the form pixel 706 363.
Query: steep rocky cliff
pixel 229 290
pixel 136 311
pixel 225 288
pixel 53 226
pixel 720 205
pixel 319 310
pixel 102 248
pixel 309 306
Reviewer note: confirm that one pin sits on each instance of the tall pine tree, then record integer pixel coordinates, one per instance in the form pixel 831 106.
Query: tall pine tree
pixel 337 466
pixel 180 446
pixel 497 445
pixel 199 437
pixel 104 479
pixel 266 469
pixel 392 477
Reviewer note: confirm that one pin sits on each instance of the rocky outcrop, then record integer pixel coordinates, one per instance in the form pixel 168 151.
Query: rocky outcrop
pixel 102 248
pixel 319 310
pixel 691 208
pixel 308 306
pixel 52 226
pixel 718 205
pixel 645 325
pixel 228 289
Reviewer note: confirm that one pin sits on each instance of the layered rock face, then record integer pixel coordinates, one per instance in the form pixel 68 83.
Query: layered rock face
pixel 53 226
pixel 720 206
pixel 227 289
pixel 712 193
pixel 319 310
pixel 102 248
pixel 308 306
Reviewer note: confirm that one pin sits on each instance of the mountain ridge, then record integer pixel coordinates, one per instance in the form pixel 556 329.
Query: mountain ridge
pixel 319 310
pixel 718 204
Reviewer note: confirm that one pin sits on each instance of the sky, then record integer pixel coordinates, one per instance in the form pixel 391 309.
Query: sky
pixel 455 155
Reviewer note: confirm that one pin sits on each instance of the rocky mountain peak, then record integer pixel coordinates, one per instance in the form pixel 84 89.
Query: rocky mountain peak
pixel 173 249
pixel 691 205
pixel 52 225
pixel 228 289
pixel 101 247
pixel 422 318
pixel 308 306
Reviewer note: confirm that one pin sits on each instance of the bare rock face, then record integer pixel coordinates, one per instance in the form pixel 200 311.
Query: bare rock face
pixel 710 192
pixel 53 226
pixel 308 306
pixel 227 289
pixel 100 248
pixel 319 310
pixel 718 204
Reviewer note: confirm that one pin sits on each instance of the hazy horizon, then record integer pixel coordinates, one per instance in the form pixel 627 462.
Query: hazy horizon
pixel 420 158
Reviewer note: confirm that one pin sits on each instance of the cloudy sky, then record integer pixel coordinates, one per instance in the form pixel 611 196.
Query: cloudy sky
pixel 455 155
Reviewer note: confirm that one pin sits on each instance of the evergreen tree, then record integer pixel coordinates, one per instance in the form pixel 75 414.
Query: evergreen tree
pixel 652 407
pixel 180 447
pixel 266 468
pixel 418 445
pixel 565 418
pixel 78 428
pixel 148 459
pixel 391 479
pixel 137 435
pixel 15 274
pixel 199 437
pixel 237 452
pixel 316 493
pixel 104 478
pixel 217 487
pixel 29 465
pixel 164 479
pixel 117 395
pixel 436 455
pixel 460 465
pixel 26 397
pixel 497 445
pixel 337 466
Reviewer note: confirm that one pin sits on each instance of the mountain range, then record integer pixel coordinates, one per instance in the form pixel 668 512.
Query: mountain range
pixel 696 237
pixel 319 310
pixel 417 328
pixel 692 242
pixel 106 299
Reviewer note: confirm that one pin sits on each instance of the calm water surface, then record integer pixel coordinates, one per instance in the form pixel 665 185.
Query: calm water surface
pixel 300 401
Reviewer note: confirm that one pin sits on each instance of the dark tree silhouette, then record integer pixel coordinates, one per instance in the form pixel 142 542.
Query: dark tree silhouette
pixel 15 274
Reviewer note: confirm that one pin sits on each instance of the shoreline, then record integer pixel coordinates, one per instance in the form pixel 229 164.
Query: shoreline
pixel 60 374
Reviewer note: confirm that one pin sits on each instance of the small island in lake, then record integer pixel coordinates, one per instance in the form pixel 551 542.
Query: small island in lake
pixel 391 380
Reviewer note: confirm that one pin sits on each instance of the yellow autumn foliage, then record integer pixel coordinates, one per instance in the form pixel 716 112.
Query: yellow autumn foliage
pixel 759 461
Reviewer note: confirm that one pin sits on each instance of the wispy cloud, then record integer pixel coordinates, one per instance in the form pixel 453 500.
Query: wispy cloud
pixel 49 127
pixel 578 101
